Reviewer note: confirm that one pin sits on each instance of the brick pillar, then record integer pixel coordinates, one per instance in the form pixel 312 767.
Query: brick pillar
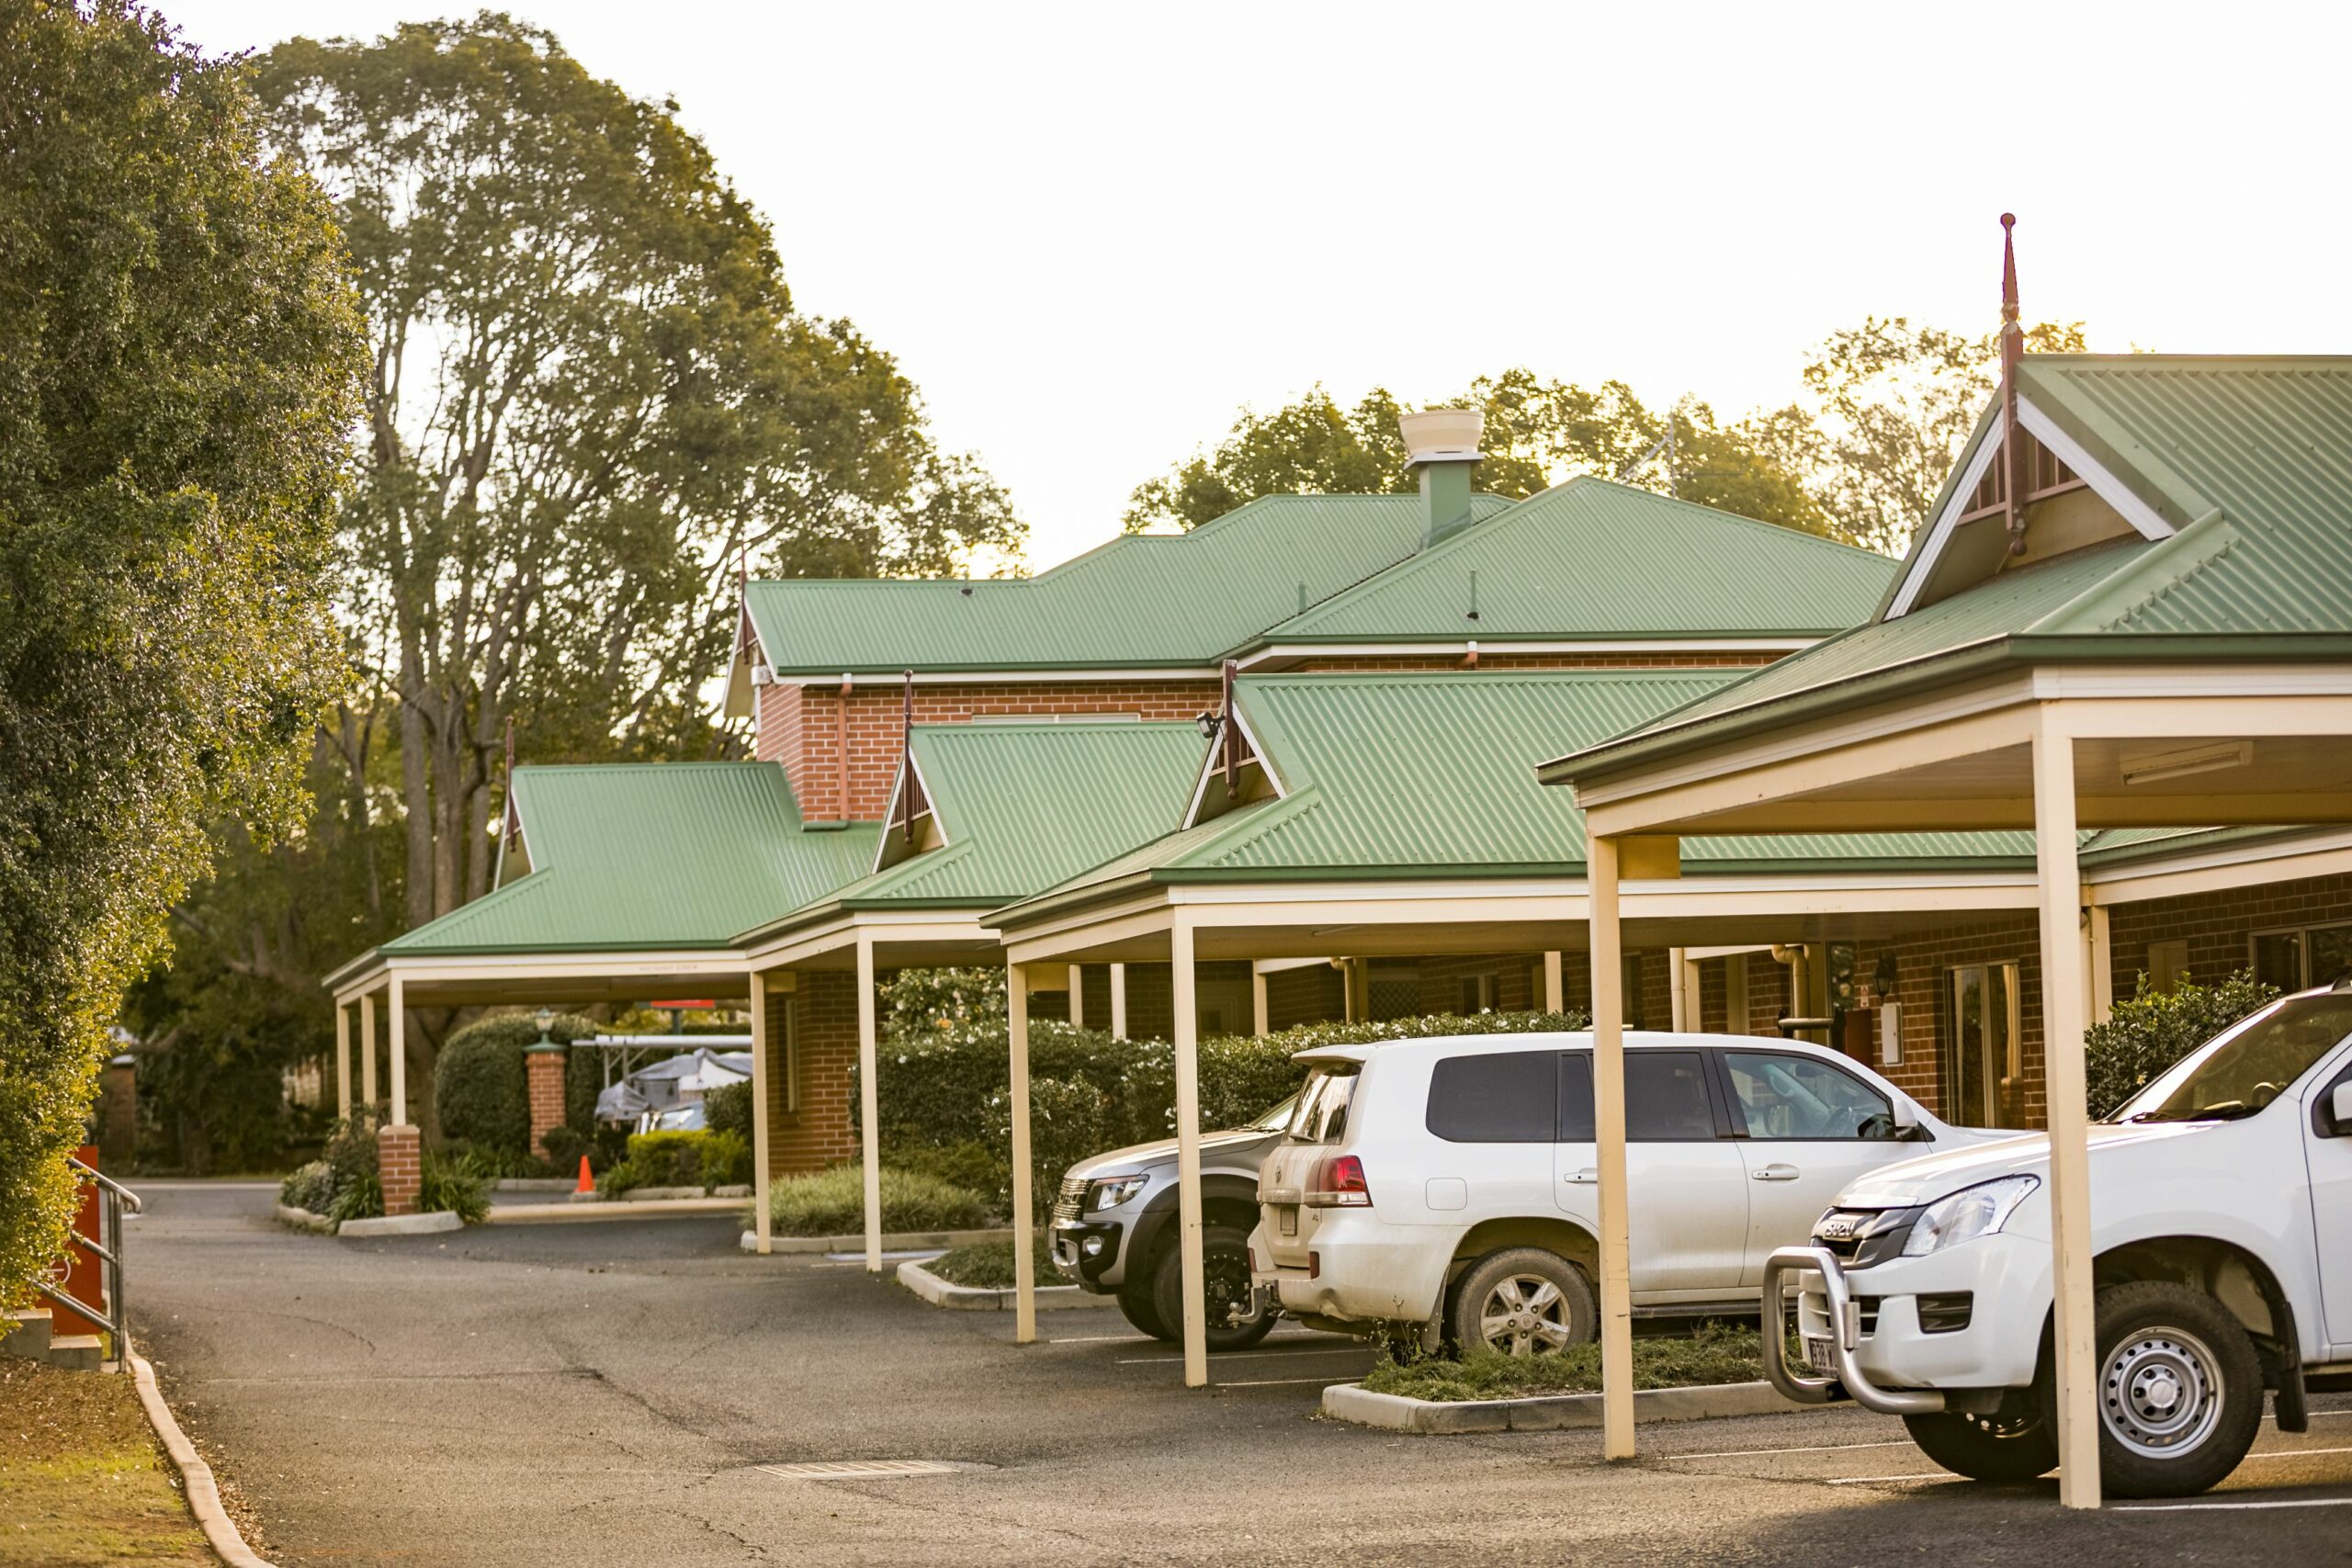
pixel 397 1152
pixel 545 1065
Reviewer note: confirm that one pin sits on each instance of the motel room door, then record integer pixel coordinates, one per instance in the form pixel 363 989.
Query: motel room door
pixel 1984 1063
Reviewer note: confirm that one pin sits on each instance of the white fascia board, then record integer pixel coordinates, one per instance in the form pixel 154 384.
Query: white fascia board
pixel 996 677
pixel 2101 480
pixel 2222 867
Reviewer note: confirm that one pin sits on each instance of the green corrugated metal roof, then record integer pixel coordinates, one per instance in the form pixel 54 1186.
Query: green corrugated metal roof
pixel 650 855
pixel 1143 600
pixel 2249 460
pixel 1590 559
pixel 1427 775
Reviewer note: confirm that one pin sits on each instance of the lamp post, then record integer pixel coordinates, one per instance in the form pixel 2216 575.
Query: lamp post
pixel 544 1068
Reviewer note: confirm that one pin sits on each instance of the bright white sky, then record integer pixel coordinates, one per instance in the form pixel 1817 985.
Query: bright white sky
pixel 1091 232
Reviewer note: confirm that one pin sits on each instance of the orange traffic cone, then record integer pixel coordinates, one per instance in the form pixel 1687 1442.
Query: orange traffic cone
pixel 587 1182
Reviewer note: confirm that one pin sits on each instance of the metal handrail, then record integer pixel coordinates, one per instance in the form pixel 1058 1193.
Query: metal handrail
pixel 111 1312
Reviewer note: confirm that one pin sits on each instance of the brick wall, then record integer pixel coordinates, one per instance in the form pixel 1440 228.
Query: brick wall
pixel 543 1074
pixel 2218 927
pixel 399 1167
pixel 802 726
pixel 812 1045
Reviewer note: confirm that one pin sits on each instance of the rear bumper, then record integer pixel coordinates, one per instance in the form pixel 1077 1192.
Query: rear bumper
pixel 1363 1271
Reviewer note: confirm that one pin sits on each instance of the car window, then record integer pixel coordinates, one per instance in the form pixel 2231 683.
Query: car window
pixel 1666 1098
pixel 1784 1095
pixel 1576 1097
pixel 1322 1113
pixel 1275 1120
pixel 2248 1064
pixel 1507 1097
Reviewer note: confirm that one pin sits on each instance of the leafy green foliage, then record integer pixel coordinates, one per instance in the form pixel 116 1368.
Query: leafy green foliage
pixel 989 1266
pixel 309 1186
pixel 727 1109
pixel 1713 1353
pixel 454 1184
pixel 482 1083
pixel 832 1202
pixel 179 353
pixel 680 1156
pixel 1537 434
pixel 2148 1033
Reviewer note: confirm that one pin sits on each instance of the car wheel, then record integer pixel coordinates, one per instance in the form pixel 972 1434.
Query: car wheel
pixel 1135 1306
pixel 2016 1447
pixel 1523 1302
pixel 1235 1319
pixel 2179 1390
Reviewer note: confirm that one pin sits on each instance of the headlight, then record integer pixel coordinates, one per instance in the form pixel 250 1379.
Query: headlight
pixel 1110 1191
pixel 1968 1213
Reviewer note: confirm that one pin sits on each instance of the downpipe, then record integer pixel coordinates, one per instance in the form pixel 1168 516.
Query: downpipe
pixel 1846 1321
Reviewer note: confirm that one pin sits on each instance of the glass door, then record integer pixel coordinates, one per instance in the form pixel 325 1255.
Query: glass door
pixel 1982 1071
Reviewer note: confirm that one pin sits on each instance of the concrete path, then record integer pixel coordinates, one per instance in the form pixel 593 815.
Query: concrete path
pixel 608 1394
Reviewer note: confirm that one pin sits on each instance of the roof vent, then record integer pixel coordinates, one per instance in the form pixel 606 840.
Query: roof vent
pixel 1442 443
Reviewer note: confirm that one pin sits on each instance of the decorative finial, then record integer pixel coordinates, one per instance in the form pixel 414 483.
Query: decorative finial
pixel 2009 271
pixel 2012 351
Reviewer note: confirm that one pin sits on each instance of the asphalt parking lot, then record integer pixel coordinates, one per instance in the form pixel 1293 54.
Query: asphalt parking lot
pixel 627 1392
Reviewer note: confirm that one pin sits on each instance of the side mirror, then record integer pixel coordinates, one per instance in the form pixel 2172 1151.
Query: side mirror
pixel 1906 1120
pixel 2339 1109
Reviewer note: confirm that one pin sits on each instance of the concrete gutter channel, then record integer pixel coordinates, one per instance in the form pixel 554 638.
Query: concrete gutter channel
pixel 1546 1413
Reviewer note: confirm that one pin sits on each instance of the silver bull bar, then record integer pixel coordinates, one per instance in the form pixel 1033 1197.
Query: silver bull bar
pixel 1845 1339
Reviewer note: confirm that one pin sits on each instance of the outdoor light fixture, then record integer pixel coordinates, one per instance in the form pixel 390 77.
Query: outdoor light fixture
pixel 546 1022
pixel 2149 767
pixel 1210 723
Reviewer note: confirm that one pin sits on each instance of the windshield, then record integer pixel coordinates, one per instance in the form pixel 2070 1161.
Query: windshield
pixel 1277 1119
pixel 2248 1064
pixel 1321 1116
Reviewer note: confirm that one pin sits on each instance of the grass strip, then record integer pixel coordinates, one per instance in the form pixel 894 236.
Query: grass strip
pixel 82 1483
pixel 987 1266
pixel 1715 1353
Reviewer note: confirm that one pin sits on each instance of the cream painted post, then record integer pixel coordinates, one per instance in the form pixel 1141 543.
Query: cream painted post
pixel 367 1052
pixel 761 1219
pixel 1556 988
pixel 1077 996
pixel 1257 1008
pixel 1025 1222
pixel 396 1052
pixel 1679 991
pixel 869 1104
pixel 1609 1153
pixel 342 1061
pixel 2100 962
pixel 2074 1321
pixel 1188 1151
pixel 1118 1001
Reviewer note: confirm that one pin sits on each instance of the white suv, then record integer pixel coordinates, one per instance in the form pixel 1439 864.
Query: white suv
pixel 1450 1183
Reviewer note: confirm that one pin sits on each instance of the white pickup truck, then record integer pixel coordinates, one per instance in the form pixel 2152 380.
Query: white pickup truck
pixel 2221 1224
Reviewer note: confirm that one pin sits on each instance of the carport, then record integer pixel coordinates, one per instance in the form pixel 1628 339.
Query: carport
pixel 2132 608
pixel 1307 837
pixel 980 814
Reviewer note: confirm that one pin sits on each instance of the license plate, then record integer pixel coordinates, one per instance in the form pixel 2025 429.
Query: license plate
pixel 1288 1220
pixel 1819 1354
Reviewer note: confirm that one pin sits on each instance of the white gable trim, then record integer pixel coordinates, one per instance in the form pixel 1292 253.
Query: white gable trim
pixel 898 788
pixel 1208 771
pixel 2103 484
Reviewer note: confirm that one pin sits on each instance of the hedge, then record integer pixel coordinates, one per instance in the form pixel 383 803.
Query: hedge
pixel 681 1156
pixel 832 1202
pixel 2147 1035
pixel 482 1088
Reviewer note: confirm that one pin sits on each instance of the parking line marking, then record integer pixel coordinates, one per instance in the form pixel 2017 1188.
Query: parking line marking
pixel 1820 1448
pixel 1270 1382
pixel 2187 1508
pixel 1104 1339
pixel 1238 1355
pixel 2295 1453
pixel 1869 1480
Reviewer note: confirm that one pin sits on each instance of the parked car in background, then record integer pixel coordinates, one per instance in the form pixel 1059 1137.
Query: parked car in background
pixel 2222 1235
pixel 1114 1231
pixel 1450 1184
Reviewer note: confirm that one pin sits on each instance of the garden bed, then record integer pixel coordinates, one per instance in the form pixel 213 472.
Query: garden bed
pixel 987 1266
pixel 1717 1371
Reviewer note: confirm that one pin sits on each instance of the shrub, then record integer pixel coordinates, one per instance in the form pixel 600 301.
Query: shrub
pixel 565 1146
pixel 457 1184
pixel 832 1202
pixel 987 1266
pixel 311 1186
pixel 2147 1035
pixel 727 1109
pixel 681 1156
pixel 480 1088
pixel 1713 1353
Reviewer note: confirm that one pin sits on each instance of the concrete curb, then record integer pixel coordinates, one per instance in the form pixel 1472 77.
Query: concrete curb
pixel 197 1484
pixel 402 1224
pixel 892 1241
pixel 533 1184
pixel 968 1297
pixel 618 1208
pixel 1547 1413
pixel 303 1219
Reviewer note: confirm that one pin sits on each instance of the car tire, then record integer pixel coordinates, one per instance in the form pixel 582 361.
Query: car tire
pixel 1523 1301
pixel 2179 1390
pixel 1225 1260
pixel 1136 1306
pixel 2018 1447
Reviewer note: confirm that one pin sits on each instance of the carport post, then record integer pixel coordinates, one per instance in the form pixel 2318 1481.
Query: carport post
pixel 1609 1154
pixel 1556 990
pixel 761 1219
pixel 2074 1318
pixel 1258 1010
pixel 1188 1151
pixel 869 1105
pixel 1118 1001
pixel 367 1052
pixel 1077 997
pixel 396 1052
pixel 341 1063
pixel 1024 1222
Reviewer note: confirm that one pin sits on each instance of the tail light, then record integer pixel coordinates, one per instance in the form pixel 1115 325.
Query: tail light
pixel 1337 1183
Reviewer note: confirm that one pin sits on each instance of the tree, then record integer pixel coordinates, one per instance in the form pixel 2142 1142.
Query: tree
pixel 591 401
pixel 1887 407
pixel 179 357
pixel 1537 432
